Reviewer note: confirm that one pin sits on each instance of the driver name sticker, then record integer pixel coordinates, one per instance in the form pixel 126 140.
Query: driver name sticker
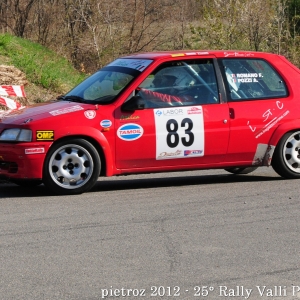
pixel 179 132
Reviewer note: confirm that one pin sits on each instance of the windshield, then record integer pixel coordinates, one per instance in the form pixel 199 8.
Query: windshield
pixel 105 85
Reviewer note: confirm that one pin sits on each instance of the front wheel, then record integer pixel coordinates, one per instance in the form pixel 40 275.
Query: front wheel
pixel 286 158
pixel 241 170
pixel 71 167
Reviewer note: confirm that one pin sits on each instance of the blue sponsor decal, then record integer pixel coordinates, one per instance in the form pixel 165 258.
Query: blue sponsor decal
pixel 192 152
pixel 130 132
pixel 105 123
pixel 158 112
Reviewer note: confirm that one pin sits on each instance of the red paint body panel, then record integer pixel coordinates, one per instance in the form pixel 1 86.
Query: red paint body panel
pixel 225 133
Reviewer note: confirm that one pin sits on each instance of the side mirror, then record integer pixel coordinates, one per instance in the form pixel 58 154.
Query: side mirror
pixel 134 103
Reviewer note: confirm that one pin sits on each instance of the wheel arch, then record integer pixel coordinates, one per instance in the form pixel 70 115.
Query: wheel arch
pixel 280 131
pixel 96 138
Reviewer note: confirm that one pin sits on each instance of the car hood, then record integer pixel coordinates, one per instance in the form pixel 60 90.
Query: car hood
pixel 40 111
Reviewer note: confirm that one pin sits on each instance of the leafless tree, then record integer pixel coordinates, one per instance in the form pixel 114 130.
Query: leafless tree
pixel 257 25
pixel 15 14
pixel 90 33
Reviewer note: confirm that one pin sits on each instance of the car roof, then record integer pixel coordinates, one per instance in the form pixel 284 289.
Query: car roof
pixel 181 53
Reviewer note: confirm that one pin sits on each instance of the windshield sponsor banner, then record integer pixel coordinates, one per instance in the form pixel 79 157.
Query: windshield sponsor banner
pixel 136 64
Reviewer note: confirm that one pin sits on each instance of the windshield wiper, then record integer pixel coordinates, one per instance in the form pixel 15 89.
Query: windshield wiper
pixel 71 98
pixel 105 99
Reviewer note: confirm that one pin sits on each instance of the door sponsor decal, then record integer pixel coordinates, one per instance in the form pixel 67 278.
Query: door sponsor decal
pixel 179 132
pixel 271 117
pixel 129 118
pixel 105 123
pixel 130 132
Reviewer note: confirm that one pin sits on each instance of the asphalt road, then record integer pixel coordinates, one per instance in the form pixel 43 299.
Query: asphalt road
pixel 189 235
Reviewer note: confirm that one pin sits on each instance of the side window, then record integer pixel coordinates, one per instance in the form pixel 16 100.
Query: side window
pixel 178 83
pixel 249 79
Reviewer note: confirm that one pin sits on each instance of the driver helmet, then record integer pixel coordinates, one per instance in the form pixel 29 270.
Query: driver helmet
pixel 161 81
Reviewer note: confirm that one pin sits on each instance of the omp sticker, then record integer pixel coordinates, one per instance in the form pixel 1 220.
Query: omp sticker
pixel 105 123
pixel 44 135
pixel 130 132
pixel 179 132
pixel 90 114
pixel 65 110
pixel 137 64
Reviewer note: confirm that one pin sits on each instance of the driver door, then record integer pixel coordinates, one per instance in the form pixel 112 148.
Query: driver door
pixel 178 121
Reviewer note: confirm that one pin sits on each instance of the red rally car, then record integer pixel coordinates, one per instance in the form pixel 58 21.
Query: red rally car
pixel 159 112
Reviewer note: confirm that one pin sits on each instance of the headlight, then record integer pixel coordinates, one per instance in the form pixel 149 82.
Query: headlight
pixel 16 134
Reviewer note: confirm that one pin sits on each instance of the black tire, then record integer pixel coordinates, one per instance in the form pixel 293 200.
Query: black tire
pixel 237 170
pixel 71 167
pixel 286 158
pixel 27 182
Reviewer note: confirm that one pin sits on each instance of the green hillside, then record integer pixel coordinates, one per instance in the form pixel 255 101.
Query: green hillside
pixel 48 74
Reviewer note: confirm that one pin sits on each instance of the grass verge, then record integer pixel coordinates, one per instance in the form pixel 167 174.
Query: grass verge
pixel 44 69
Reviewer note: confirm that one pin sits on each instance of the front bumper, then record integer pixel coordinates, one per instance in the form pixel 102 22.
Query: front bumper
pixel 22 160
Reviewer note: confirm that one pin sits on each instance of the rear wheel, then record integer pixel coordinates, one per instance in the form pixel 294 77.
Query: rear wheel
pixel 241 170
pixel 286 159
pixel 71 167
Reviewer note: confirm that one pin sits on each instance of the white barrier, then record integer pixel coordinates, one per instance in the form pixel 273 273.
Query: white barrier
pixel 14 91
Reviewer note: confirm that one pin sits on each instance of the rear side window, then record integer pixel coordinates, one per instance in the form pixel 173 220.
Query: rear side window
pixel 249 79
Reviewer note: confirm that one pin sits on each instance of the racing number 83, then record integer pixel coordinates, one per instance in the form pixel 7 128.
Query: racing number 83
pixel 173 136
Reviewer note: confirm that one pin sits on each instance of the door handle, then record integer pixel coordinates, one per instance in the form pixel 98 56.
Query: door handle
pixel 231 113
